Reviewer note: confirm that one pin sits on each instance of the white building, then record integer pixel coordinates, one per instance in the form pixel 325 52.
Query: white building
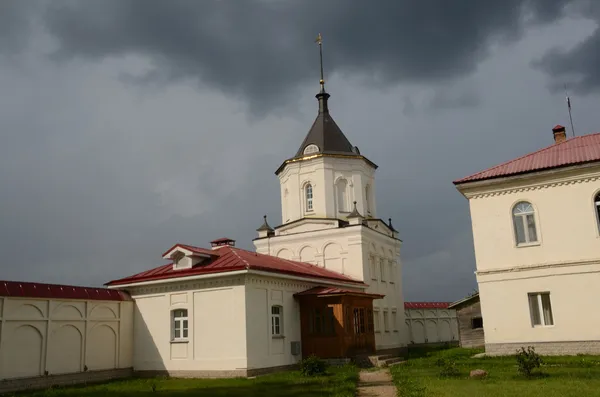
pixel 326 282
pixel 536 230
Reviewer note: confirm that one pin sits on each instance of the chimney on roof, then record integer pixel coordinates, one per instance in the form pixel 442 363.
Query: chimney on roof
pixel 222 242
pixel 560 135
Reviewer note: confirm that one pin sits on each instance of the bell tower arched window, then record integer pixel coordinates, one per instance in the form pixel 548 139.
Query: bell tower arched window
pixel 308 193
pixel 368 199
pixel 597 207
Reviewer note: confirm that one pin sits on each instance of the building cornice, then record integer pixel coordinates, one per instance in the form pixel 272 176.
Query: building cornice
pixel 322 155
pixel 538 266
pixel 531 182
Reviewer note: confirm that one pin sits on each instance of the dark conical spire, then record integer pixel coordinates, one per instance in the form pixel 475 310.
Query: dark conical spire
pixel 265 226
pixel 354 213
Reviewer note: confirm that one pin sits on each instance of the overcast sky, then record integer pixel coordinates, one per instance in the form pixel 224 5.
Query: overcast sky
pixel 127 126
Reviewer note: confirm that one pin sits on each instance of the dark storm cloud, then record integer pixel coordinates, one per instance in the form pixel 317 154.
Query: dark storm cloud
pixel 263 49
pixel 15 18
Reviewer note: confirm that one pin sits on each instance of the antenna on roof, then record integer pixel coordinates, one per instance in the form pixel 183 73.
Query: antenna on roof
pixel 569 107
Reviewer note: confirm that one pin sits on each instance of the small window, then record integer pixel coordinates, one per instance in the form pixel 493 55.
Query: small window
pixel 394 321
pixel 359 321
pixel 382 269
pixel 368 199
pixel 310 149
pixel 276 320
pixel 322 321
pixel 386 324
pixel 377 326
pixel 524 223
pixel 179 325
pixel 540 309
pixel 597 205
pixel 476 322
pixel 392 272
pixel 370 323
pixel 309 197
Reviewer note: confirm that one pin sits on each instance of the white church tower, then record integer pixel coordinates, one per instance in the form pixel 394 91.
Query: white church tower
pixel 329 218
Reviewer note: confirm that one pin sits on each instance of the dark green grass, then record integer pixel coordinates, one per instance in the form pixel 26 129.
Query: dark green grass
pixel 339 382
pixel 575 376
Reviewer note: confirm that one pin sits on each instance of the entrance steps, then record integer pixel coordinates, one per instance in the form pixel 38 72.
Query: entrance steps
pixel 380 360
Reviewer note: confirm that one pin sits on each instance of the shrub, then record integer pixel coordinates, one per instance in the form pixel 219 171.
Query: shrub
pixel 448 367
pixel 313 366
pixel 527 361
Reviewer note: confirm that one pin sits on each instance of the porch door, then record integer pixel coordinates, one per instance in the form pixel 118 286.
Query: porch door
pixel 360 323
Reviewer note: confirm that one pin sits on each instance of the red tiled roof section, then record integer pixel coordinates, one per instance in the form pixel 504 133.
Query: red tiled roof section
pixel 232 259
pixel 426 305
pixel 573 151
pixel 334 291
pixel 196 250
pixel 55 291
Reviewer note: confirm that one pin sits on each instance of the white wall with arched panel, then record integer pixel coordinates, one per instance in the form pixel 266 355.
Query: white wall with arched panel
pixel 63 336
pixel 429 324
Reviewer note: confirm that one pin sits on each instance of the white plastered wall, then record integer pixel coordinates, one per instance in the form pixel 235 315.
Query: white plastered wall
pixel 216 322
pixel 565 262
pixel 350 251
pixel 431 325
pixel 39 336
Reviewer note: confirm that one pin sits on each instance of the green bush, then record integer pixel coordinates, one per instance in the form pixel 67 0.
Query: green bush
pixel 313 366
pixel 527 361
pixel 448 367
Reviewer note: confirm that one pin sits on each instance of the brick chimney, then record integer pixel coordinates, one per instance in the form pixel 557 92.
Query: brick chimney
pixel 560 135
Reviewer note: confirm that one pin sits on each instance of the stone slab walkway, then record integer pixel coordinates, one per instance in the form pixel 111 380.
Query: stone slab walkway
pixel 376 384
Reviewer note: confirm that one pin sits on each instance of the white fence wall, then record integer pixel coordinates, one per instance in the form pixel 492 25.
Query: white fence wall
pixel 431 325
pixel 53 337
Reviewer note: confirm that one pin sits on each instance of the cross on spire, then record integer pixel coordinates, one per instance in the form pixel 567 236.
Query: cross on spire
pixel 319 41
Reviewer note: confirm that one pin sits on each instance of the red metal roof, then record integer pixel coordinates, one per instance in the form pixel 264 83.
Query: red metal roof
pixel 54 291
pixel 196 250
pixel 324 291
pixel 573 151
pixel 232 259
pixel 426 305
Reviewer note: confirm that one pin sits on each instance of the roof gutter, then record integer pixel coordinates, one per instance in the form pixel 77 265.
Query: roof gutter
pixel 315 280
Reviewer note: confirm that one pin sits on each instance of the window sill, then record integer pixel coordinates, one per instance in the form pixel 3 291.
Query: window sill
pixel 180 341
pixel 395 330
pixel 377 332
pixel 525 245
pixel 278 336
pixel 387 332
pixel 543 326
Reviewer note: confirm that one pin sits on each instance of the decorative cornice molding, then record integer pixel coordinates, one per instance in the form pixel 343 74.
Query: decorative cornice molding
pixel 532 187
pixel 538 266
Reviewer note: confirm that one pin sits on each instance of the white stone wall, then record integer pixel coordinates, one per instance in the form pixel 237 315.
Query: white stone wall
pixel 565 262
pixel 357 252
pixel 323 174
pixel 431 325
pixel 55 336
pixel 216 326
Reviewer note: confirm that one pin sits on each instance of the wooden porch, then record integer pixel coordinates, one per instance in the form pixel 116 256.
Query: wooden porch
pixel 336 323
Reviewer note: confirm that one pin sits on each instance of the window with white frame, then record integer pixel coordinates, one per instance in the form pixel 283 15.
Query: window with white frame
pixel 392 272
pixel 386 324
pixel 540 309
pixel 597 205
pixel 382 268
pixel 524 223
pixel 373 265
pixel 342 196
pixel 308 191
pixel 394 320
pixel 376 320
pixel 179 324
pixel 276 320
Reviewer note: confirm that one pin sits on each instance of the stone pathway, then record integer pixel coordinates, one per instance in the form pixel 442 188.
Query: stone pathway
pixel 376 384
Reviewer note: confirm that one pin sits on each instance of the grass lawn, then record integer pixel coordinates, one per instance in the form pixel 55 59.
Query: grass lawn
pixel 558 376
pixel 339 382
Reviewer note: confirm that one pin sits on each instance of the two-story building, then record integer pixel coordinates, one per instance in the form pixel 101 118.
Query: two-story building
pixel 536 233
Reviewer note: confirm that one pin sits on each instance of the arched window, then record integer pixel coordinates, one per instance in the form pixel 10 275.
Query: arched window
pixel 179 324
pixel 309 197
pixel 597 205
pixel 342 198
pixel 524 223
pixel 276 320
